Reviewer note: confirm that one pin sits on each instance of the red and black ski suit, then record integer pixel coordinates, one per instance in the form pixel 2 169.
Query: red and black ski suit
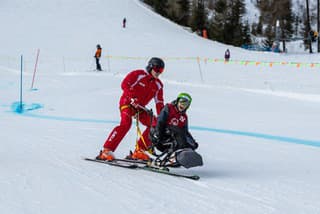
pixel 141 86
pixel 171 123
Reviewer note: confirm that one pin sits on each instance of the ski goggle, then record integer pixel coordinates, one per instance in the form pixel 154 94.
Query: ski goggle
pixel 184 101
pixel 158 69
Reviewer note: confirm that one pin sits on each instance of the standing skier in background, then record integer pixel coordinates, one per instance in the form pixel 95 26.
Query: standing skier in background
pixel 124 21
pixel 139 87
pixel 227 55
pixel 205 33
pixel 98 56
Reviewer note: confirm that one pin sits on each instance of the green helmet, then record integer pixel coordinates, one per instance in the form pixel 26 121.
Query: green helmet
pixel 185 97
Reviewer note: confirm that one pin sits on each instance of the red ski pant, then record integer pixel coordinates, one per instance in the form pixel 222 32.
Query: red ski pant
pixel 119 132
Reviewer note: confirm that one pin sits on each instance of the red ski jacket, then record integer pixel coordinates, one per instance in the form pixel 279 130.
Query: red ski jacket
pixel 142 86
pixel 171 116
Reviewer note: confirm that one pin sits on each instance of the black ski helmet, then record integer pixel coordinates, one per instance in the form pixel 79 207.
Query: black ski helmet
pixel 155 63
pixel 98 46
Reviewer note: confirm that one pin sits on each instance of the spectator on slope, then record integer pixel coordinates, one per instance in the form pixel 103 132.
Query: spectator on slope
pixel 98 56
pixel 227 55
pixel 124 21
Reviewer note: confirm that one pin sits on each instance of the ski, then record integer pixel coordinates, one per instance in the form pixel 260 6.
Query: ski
pixel 166 172
pixel 114 163
pixel 128 163
pixel 131 161
pixel 142 163
pixel 137 164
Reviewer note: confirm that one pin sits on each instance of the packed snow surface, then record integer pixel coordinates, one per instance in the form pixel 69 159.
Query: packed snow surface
pixel 257 123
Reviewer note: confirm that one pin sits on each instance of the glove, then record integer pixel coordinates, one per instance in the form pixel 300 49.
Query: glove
pixel 134 102
pixel 155 138
pixel 193 145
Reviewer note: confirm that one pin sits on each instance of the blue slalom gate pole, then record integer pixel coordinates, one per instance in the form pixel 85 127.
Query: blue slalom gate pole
pixel 20 108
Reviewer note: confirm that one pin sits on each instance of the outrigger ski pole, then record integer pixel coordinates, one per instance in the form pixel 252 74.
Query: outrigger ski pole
pixel 165 155
pixel 139 134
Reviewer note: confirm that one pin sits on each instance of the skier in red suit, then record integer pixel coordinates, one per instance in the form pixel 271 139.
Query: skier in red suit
pixel 139 87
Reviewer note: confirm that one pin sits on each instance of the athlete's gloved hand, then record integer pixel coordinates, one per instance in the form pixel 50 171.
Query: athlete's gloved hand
pixel 155 138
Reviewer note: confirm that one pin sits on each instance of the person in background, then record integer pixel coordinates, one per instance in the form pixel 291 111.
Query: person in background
pixel 138 87
pixel 227 55
pixel 98 56
pixel 124 21
pixel 204 33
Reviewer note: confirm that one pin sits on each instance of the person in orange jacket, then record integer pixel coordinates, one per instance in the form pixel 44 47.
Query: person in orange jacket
pixel 98 56
pixel 139 87
pixel 205 33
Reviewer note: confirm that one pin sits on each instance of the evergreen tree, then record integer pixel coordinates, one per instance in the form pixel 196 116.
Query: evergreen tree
pixel 273 10
pixel 285 16
pixel 254 27
pixel 246 37
pixel 237 12
pixel 218 22
pixel 184 12
pixel 269 32
pixel 173 11
pixel 199 17
pixel 260 26
pixel 161 7
pixel 227 24
pixel 305 31
pixel 297 24
pixel 149 2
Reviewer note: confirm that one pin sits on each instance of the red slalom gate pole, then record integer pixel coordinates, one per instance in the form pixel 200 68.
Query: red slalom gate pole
pixel 35 68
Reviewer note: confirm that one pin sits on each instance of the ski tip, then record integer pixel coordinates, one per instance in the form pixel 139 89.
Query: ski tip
pixel 90 159
pixel 195 177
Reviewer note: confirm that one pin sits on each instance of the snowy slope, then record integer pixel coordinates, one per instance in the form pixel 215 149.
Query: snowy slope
pixel 257 125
